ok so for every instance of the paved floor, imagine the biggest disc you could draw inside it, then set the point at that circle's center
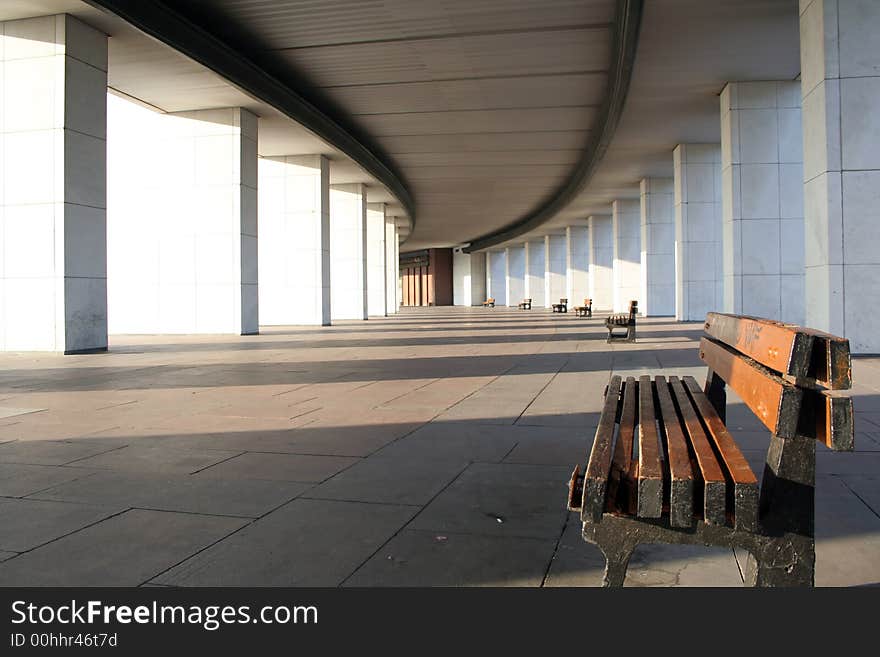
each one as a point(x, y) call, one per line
point(431, 448)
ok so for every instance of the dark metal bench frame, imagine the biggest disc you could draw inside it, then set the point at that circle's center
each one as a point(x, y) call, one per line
point(525, 304)
point(626, 321)
point(791, 378)
point(561, 307)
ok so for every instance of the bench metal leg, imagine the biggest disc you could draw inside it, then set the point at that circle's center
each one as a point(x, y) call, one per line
point(617, 554)
point(785, 561)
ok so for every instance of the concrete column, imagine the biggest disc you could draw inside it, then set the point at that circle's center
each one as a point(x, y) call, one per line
point(53, 194)
point(496, 276)
point(658, 247)
point(376, 259)
point(391, 303)
point(577, 264)
point(182, 220)
point(515, 259)
point(840, 87)
point(399, 285)
point(601, 261)
point(348, 252)
point(294, 250)
point(762, 200)
point(698, 253)
point(534, 282)
point(626, 243)
point(468, 278)
point(554, 269)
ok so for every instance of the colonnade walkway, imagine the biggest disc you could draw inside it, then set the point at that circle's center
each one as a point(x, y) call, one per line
point(429, 448)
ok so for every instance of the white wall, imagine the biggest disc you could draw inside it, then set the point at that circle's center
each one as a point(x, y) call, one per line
point(496, 276)
point(515, 274)
point(181, 220)
point(468, 278)
point(294, 250)
point(698, 240)
point(53, 258)
point(658, 247)
point(376, 259)
point(391, 303)
point(601, 262)
point(627, 265)
point(762, 200)
point(348, 252)
point(577, 264)
point(554, 269)
point(534, 281)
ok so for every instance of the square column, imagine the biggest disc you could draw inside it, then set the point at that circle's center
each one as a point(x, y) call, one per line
point(554, 269)
point(182, 220)
point(762, 200)
point(577, 264)
point(515, 275)
point(348, 252)
point(496, 276)
point(376, 259)
point(626, 270)
point(53, 193)
point(698, 252)
point(658, 247)
point(468, 278)
point(391, 303)
point(840, 89)
point(534, 282)
point(294, 249)
point(601, 261)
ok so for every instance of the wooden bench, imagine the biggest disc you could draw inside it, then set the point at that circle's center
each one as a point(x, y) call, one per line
point(489, 303)
point(586, 310)
point(626, 321)
point(690, 482)
point(525, 304)
point(561, 307)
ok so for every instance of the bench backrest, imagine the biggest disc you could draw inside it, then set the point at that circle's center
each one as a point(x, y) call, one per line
point(527, 300)
point(588, 302)
point(633, 308)
point(789, 376)
point(490, 300)
point(565, 301)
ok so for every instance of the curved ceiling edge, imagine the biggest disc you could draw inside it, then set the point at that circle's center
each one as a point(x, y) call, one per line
point(166, 25)
point(625, 43)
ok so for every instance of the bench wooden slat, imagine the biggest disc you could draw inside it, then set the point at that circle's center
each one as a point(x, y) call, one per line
point(714, 483)
point(650, 498)
point(599, 465)
point(745, 484)
point(623, 488)
point(774, 401)
point(785, 348)
point(681, 488)
point(827, 416)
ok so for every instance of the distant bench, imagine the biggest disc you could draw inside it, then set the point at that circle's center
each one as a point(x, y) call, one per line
point(626, 322)
point(586, 310)
point(525, 304)
point(489, 303)
point(690, 482)
point(561, 307)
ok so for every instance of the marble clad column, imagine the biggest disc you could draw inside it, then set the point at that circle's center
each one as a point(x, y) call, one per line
point(698, 246)
point(53, 193)
point(658, 247)
point(762, 200)
point(601, 262)
point(534, 284)
point(840, 90)
point(626, 269)
point(577, 264)
point(554, 269)
point(515, 274)
point(348, 251)
point(376, 297)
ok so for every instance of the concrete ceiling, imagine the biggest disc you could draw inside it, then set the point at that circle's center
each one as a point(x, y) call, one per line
point(483, 105)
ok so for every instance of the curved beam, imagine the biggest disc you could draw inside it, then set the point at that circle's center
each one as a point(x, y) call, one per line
point(624, 45)
point(170, 27)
